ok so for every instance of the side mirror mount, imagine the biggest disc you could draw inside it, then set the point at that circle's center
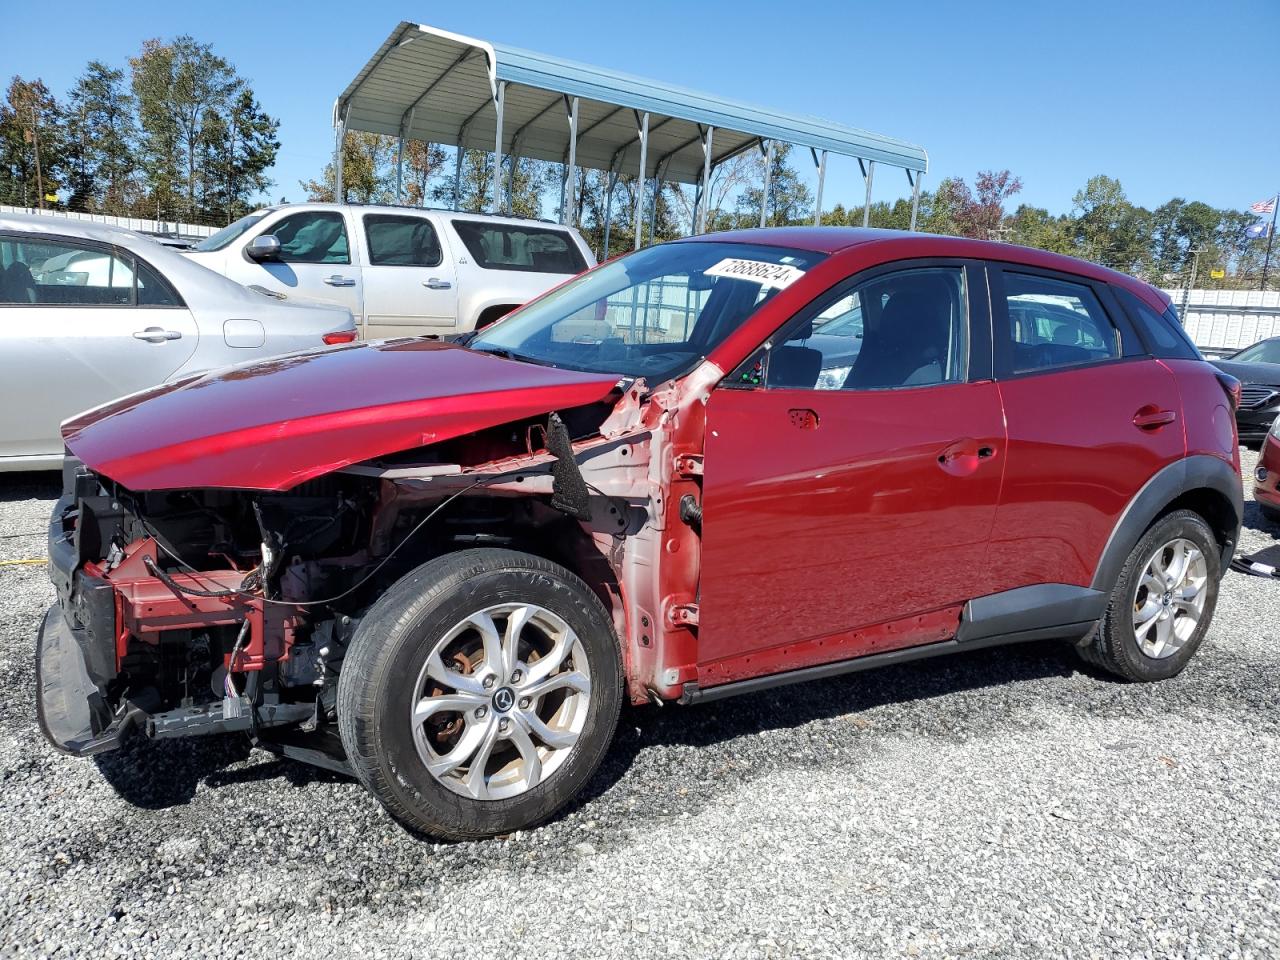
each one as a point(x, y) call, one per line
point(263, 248)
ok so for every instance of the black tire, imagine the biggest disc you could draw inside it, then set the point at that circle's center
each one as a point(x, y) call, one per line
point(1113, 646)
point(1270, 513)
point(393, 641)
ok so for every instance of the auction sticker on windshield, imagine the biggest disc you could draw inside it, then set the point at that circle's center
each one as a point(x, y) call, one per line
point(756, 271)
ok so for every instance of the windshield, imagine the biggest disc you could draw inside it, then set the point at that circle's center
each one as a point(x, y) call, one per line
point(653, 314)
point(1265, 351)
point(228, 233)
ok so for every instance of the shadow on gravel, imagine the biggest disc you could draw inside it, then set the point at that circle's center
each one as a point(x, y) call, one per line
point(1255, 520)
point(156, 774)
point(30, 485)
point(793, 706)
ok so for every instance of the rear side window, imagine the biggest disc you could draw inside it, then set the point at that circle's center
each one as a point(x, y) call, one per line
point(1055, 323)
point(396, 241)
point(312, 237)
point(521, 247)
point(1163, 331)
point(154, 290)
point(63, 273)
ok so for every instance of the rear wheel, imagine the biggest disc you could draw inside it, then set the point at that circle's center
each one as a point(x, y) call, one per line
point(1162, 603)
point(480, 693)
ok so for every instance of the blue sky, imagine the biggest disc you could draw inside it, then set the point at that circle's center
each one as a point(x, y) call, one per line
point(1174, 98)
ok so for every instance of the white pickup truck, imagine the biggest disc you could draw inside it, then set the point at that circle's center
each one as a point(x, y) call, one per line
point(401, 271)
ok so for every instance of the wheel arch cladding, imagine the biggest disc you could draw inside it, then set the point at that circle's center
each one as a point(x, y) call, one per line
point(1207, 485)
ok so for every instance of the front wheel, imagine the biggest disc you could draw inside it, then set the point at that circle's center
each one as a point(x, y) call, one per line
point(1162, 602)
point(480, 693)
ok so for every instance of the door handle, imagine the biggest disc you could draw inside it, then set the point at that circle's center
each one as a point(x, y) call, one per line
point(962, 457)
point(435, 283)
point(1152, 417)
point(337, 280)
point(157, 335)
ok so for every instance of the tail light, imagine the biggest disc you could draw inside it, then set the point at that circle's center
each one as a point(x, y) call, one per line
point(1230, 386)
point(348, 336)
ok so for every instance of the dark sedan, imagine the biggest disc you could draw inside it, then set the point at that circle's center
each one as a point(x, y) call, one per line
point(1257, 367)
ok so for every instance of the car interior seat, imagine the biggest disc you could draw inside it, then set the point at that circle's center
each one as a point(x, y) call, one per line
point(17, 284)
point(795, 367)
point(910, 344)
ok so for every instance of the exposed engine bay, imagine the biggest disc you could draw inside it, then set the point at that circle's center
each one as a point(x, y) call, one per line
point(202, 611)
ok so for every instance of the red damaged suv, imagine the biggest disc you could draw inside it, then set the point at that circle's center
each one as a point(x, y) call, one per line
point(710, 467)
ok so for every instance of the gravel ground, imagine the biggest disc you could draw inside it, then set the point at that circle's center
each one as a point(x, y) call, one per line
point(1001, 803)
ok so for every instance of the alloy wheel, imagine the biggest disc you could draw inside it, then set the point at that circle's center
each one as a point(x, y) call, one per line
point(1169, 599)
point(501, 701)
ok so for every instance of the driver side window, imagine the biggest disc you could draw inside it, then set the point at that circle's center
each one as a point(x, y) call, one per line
point(897, 330)
point(313, 237)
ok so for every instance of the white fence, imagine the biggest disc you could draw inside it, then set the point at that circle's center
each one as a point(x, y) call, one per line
point(164, 228)
point(1223, 321)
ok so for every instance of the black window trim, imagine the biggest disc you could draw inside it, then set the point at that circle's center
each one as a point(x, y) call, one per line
point(364, 224)
point(270, 232)
point(111, 249)
point(978, 361)
point(1131, 346)
point(1162, 316)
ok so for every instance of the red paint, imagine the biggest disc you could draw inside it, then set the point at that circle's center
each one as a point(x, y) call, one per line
point(812, 533)
point(273, 425)
point(836, 524)
point(1075, 459)
point(1267, 491)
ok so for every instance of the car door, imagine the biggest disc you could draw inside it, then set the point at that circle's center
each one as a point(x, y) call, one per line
point(852, 471)
point(1091, 417)
point(410, 285)
point(317, 260)
point(81, 323)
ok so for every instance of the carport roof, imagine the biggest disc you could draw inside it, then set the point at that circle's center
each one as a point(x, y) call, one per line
point(431, 85)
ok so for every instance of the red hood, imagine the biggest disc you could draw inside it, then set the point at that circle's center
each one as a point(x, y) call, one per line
point(273, 425)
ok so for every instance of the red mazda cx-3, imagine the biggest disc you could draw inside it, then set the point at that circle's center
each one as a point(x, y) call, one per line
point(712, 466)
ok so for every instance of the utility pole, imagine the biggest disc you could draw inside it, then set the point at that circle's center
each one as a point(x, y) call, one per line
point(1191, 281)
point(1271, 239)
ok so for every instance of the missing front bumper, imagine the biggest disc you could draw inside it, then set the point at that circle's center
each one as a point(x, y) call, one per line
point(72, 711)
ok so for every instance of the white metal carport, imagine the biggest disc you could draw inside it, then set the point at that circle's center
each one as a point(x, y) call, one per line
point(439, 87)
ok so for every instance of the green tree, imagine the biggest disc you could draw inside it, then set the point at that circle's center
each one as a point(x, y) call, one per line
point(205, 144)
point(790, 201)
point(101, 140)
point(1109, 229)
point(32, 147)
point(366, 174)
point(237, 151)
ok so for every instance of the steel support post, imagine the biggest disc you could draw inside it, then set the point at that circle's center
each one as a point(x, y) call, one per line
point(498, 99)
point(768, 174)
point(569, 204)
point(400, 169)
point(870, 173)
point(611, 183)
point(644, 161)
point(339, 134)
point(704, 207)
point(821, 164)
point(915, 196)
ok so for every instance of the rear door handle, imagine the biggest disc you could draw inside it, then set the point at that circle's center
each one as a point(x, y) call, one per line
point(1152, 417)
point(337, 280)
point(156, 335)
point(435, 283)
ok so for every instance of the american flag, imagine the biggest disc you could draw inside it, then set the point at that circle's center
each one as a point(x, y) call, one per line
point(1264, 206)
